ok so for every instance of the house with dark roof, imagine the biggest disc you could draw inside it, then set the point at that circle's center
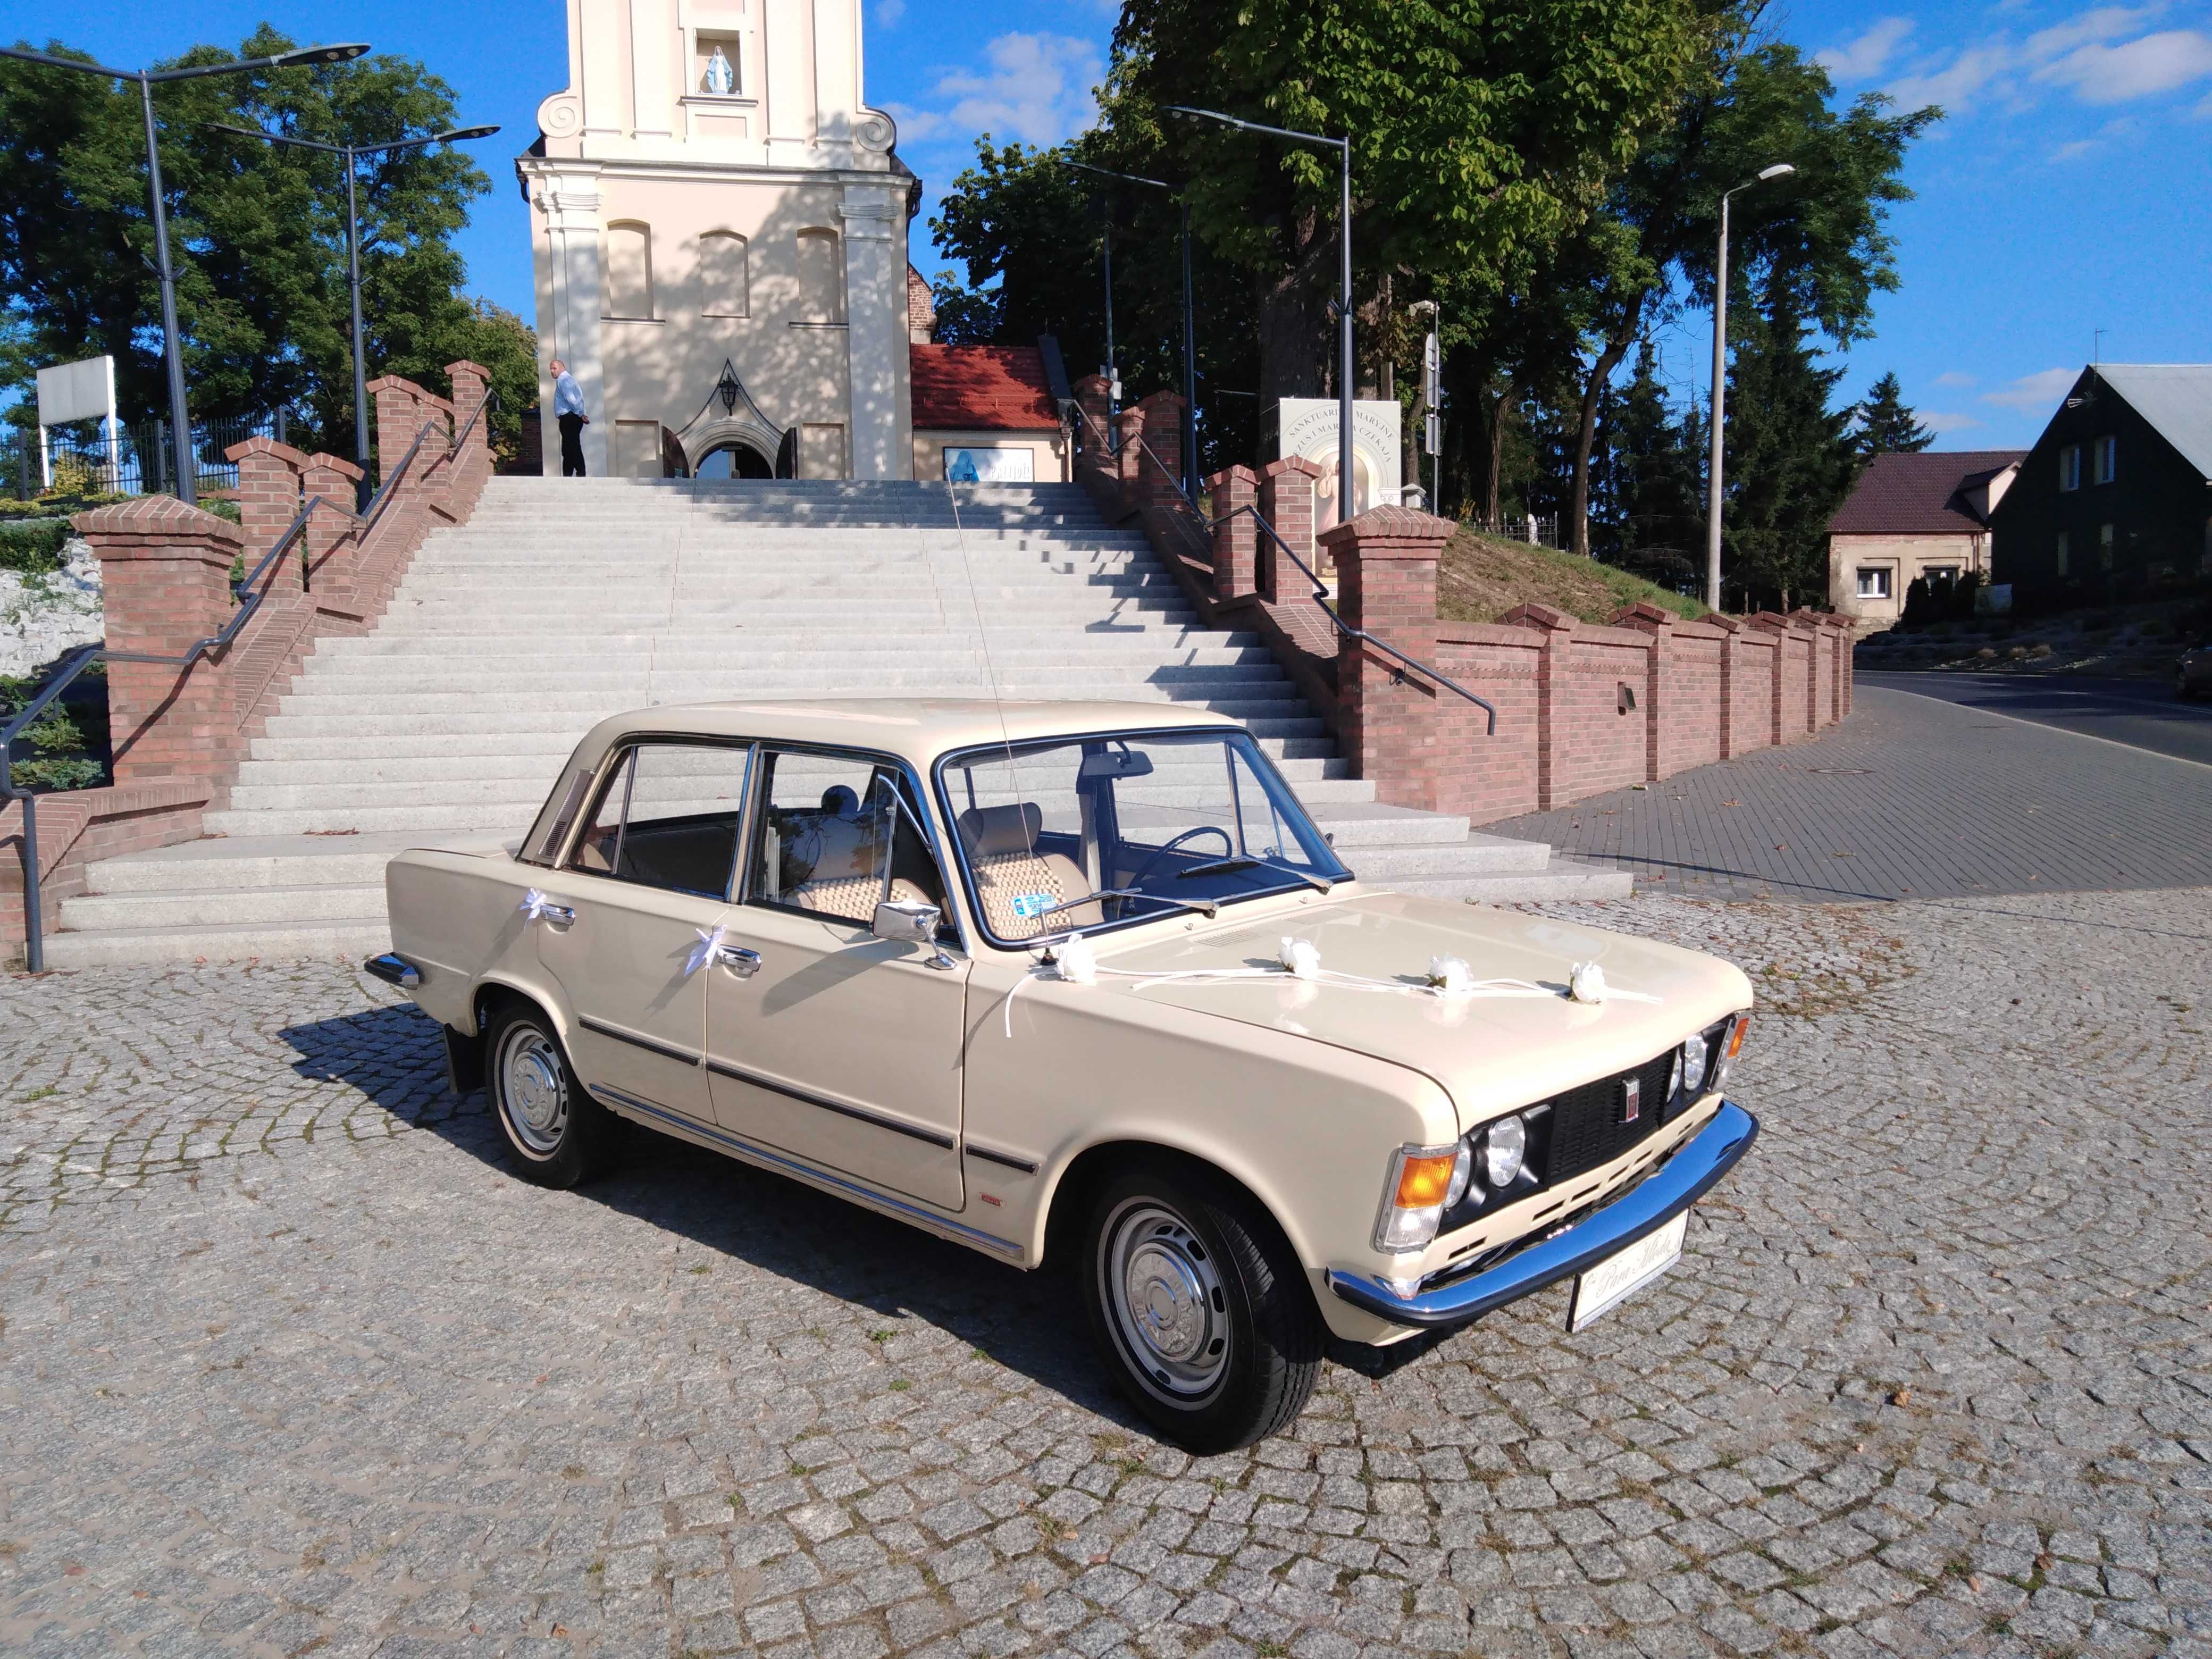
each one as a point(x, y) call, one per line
point(1925, 516)
point(2117, 494)
point(985, 412)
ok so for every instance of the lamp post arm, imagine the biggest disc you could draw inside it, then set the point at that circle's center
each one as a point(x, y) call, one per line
point(76, 64)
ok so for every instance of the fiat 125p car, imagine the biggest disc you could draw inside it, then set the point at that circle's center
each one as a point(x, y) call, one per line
point(1080, 983)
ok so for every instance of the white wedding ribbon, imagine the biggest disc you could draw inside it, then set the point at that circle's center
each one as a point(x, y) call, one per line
point(535, 904)
point(707, 951)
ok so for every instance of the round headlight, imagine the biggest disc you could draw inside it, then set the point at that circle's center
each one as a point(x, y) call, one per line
point(1463, 1172)
point(1692, 1062)
point(1505, 1142)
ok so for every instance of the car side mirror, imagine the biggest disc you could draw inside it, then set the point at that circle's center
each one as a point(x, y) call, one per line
point(911, 922)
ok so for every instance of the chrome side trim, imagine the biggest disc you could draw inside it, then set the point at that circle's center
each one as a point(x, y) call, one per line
point(667, 1051)
point(1668, 1190)
point(990, 1155)
point(934, 1137)
point(867, 1195)
point(393, 970)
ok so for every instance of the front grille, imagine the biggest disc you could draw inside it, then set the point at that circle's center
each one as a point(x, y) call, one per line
point(1586, 1129)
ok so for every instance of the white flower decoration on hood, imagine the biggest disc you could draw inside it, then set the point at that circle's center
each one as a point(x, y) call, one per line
point(1586, 982)
point(1074, 960)
point(1302, 956)
point(709, 948)
point(1451, 975)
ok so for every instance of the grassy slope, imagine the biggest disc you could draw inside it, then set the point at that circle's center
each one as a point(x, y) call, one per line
point(1481, 579)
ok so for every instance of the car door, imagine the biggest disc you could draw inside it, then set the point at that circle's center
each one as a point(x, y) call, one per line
point(840, 1047)
point(621, 925)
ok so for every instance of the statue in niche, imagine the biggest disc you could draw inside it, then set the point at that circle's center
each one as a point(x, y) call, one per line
point(719, 79)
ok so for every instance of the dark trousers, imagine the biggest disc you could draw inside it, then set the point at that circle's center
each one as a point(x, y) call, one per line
point(572, 446)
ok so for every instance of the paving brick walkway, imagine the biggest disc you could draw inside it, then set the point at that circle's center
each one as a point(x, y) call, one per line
point(289, 1364)
point(1910, 798)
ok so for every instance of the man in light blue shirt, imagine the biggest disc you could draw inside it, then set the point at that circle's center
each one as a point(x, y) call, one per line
point(568, 411)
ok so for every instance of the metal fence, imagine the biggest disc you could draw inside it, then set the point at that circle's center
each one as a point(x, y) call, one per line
point(1538, 529)
point(140, 460)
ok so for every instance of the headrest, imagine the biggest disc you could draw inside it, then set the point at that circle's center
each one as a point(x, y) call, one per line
point(840, 797)
point(991, 831)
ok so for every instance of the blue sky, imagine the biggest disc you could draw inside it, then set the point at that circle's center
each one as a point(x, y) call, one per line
point(2053, 202)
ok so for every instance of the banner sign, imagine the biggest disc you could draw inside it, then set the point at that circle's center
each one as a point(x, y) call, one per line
point(1307, 427)
point(77, 391)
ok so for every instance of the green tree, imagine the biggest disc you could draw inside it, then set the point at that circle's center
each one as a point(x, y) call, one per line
point(257, 235)
point(1790, 458)
point(1816, 241)
point(1884, 425)
point(1648, 503)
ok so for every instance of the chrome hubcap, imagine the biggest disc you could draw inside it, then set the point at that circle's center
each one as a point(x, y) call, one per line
point(1166, 1299)
point(533, 1090)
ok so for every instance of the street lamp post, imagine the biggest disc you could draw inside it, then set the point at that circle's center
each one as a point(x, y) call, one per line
point(1189, 456)
point(1344, 471)
point(351, 153)
point(1432, 379)
point(172, 347)
point(1719, 381)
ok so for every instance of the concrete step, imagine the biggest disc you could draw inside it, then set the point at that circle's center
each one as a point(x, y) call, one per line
point(516, 748)
point(1263, 716)
point(218, 908)
point(591, 697)
point(1391, 864)
point(240, 863)
point(343, 940)
point(1560, 879)
point(365, 769)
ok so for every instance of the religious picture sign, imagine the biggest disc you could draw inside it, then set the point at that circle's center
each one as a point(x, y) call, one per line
point(996, 464)
point(1307, 427)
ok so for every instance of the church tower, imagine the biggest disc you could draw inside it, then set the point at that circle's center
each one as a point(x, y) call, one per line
point(711, 190)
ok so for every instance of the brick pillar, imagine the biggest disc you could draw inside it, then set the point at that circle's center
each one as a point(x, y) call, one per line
point(331, 543)
point(1093, 396)
point(268, 492)
point(1559, 631)
point(1658, 621)
point(1730, 669)
point(165, 568)
point(1391, 725)
point(1846, 639)
point(1779, 728)
point(1129, 438)
point(401, 409)
point(1286, 501)
point(1159, 474)
point(1236, 539)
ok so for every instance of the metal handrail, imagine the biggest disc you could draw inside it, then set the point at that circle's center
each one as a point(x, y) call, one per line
point(247, 600)
point(1320, 588)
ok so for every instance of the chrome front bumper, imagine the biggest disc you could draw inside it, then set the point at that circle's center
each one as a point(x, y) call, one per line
point(1668, 1190)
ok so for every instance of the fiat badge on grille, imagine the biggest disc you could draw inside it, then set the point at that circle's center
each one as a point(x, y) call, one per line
point(1631, 1098)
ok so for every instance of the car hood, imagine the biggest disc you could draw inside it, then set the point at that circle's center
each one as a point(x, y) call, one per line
point(1490, 1054)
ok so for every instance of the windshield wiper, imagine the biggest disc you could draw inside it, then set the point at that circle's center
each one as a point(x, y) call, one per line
point(1246, 861)
point(1206, 908)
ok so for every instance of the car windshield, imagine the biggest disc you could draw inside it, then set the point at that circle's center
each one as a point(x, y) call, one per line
point(1079, 834)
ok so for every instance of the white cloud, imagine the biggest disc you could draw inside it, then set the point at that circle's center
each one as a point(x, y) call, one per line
point(2152, 63)
point(2075, 150)
point(1952, 377)
point(1940, 423)
point(2104, 24)
point(1868, 56)
point(888, 13)
point(2034, 393)
point(1035, 87)
point(1958, 82)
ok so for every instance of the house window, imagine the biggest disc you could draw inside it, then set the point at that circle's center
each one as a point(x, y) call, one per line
point(2107, 454)
point(821, 278)
point(2061, 552)
point(1945, 574)
point(2070, 467)
point(628, 272)
point(1874, 581)
point(725, 276)
point(2104, 547)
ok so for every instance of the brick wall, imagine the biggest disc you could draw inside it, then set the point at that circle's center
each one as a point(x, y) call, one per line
point(178, 734)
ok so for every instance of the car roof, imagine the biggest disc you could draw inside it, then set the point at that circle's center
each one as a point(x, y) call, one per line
point(918, 729)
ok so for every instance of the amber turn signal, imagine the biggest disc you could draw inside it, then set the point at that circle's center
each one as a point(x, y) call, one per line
point(1742, 1028)
point(1422, 1181)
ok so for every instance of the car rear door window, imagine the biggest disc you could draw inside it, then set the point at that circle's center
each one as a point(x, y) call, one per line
point(668, 816)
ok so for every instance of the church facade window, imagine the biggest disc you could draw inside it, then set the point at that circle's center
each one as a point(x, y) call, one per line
point(725, 275)
point(821, 278)
point(628, 275)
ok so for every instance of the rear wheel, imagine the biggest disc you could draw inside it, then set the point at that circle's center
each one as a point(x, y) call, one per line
point(1199, 1309)
point(557, 1134)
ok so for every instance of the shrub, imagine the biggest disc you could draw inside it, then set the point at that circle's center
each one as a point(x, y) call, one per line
point(59, 761)
point(34, 547)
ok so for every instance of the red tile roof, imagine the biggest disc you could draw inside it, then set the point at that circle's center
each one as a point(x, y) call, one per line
point(1909, 494)
point(993, 388)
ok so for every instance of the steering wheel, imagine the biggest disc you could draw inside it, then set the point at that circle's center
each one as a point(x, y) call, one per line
point(1228, 848)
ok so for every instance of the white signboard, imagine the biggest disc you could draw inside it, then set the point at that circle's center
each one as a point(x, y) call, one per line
point(1014, 464)
point(77, 391)
point(1307, 427)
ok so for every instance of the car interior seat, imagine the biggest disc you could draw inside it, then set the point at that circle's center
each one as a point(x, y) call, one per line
point(1015, 878)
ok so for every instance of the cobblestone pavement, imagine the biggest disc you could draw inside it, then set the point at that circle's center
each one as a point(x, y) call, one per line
point(1910, 798)
point(289, 1365)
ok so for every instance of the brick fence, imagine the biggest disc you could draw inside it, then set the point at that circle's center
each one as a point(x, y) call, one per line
point(178, 734)
point(1581, 707)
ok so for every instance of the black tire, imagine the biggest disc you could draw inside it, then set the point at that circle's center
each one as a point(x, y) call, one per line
point(557, 1134)
point(1236, 1341)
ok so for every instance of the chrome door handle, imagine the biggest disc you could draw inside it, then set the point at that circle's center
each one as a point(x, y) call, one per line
point(741, 962)
point(560, 915)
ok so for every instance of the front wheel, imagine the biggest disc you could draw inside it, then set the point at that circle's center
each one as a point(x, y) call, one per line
point(1199, 1309)
point(558, 1134)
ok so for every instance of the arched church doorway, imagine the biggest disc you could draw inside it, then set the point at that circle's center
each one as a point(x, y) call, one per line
point(733, 461)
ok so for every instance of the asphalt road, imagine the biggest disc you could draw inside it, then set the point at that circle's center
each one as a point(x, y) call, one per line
point(2144, 713)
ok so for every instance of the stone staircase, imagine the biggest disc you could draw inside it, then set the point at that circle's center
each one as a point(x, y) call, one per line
point(560, 602)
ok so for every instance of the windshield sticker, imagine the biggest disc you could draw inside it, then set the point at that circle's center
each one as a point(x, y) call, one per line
point(1032, 904)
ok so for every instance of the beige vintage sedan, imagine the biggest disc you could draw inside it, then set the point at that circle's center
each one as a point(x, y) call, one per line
point(1080, 983)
